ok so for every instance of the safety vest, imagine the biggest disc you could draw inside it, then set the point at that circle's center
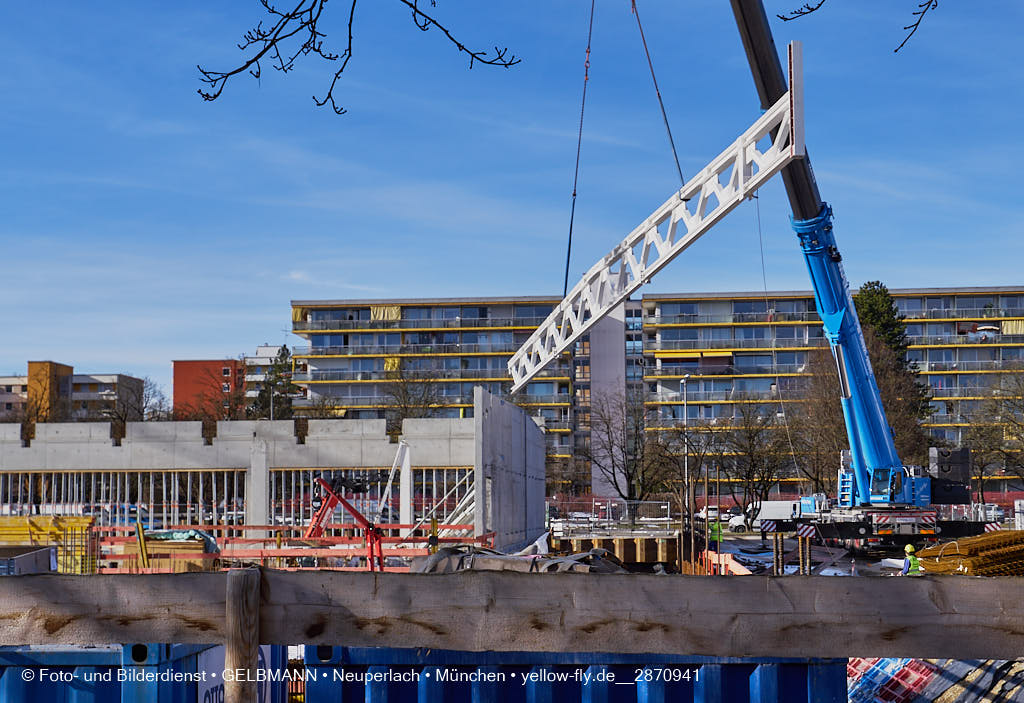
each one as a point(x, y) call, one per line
point(716, 532)
point(915, 566)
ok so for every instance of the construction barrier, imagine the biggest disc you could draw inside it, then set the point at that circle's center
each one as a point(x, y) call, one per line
point(214, 547)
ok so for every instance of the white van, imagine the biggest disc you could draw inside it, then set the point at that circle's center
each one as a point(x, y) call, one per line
point(770, 510)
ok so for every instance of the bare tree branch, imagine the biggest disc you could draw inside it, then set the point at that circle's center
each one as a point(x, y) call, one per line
point(805, 9)
point(922, 9)
point(302, 24)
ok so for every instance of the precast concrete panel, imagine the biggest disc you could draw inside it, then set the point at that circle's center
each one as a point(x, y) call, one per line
point(509, 464)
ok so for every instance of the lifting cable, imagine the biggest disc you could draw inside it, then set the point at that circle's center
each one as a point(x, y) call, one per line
point(775, 359)
point(579, 143)
point(661, 103)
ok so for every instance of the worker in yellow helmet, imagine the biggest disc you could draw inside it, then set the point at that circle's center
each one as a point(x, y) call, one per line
point(911, 564)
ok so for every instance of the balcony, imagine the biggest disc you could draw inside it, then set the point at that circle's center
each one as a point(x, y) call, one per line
point(732, 318)
point(994, 338)
point(407, 349)
point(968, 392)
point(674, 344)
point(411, 375)
point(653, 372)
point(542, 399)
point(557, 425)
point(385, 400)
point(457, 323)
point(962, 314)
point(933, 366)
point(955, 419)
point(711, 396)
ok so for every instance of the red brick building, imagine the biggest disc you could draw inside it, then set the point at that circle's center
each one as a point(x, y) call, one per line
point(209, 389)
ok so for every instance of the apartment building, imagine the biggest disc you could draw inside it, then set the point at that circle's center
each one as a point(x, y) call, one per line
point(367, 358)
point(51, 391)
point(698, 354)
point(208, 387)
point(723, 349)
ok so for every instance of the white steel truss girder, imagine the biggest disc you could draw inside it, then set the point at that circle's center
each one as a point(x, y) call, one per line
point(730, 178)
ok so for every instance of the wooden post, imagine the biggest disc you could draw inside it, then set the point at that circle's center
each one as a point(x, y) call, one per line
point(707, 521)
point(242, 619)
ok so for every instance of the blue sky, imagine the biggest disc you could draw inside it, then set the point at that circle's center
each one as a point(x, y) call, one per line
point(143, 225)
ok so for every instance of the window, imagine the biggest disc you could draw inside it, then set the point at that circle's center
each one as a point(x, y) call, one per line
point(907, 305)
point(751, 333)
point(226, 387)
point(788, 332)
point(8, 389)
point(938, 304)
point(226, 404)
point(8, 406)
point(749, 306)
point(715, 333)
point(791, 306)
point(675, 334)
point(532, 312)
point(672, 309)
point(225, 371)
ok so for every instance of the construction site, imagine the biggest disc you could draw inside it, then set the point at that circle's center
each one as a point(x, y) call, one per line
point(354, 552)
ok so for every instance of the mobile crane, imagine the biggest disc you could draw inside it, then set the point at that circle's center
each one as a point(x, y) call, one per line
point(878, 495)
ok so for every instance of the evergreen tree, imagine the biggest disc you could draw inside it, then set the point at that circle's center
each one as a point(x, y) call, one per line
point(277, 390)
point(877, 309)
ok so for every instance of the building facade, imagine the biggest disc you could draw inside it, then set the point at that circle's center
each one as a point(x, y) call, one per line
point(724, 349)
point(51, 391)
point(372, 359)
point(212, 388)
point(698, 355)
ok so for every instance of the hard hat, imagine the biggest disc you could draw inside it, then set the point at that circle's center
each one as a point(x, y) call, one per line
point(909, 549)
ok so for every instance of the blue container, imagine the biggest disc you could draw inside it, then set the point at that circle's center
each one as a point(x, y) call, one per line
point(376, 675)
point(154, 673)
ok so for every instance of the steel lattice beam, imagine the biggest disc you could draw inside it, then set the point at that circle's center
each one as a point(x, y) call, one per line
point(733, 176)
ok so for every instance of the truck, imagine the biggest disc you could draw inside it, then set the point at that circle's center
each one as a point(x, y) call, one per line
point(782, 510)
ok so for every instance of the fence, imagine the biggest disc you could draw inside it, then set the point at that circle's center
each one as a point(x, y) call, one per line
point(573, 516)
point(342, 548)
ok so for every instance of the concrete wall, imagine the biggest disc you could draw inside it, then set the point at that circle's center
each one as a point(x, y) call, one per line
point(79, 446)
point(256, 446)
point(607, 378)
point(509, 472)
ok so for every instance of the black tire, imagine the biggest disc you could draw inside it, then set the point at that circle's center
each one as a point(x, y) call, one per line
point(739, 529)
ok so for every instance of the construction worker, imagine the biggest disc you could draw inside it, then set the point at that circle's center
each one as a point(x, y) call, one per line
point(911, 564)
point(714, 534)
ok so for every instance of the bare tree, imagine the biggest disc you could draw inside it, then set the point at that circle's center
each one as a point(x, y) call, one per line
point(996, 432)
point(753, 453)
point(410, 394)
point(690, 451)
point(923, 8)
point(298, 31)
point(817, 425)
point(633, 461)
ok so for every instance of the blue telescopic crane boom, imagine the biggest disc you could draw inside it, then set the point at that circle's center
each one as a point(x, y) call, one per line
point(878, 474)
